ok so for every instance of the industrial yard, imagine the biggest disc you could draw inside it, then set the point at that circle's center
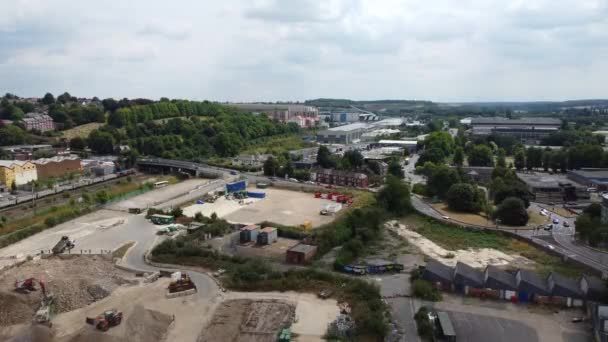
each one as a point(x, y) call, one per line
point(286, 207)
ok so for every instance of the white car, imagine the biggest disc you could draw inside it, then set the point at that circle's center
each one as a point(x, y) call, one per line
point(543, 212)
point(445, 217)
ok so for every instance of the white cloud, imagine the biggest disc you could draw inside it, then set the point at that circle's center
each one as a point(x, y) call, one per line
point(299, 49)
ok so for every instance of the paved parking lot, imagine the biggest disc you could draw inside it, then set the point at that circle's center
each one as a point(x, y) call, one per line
point(477, 328)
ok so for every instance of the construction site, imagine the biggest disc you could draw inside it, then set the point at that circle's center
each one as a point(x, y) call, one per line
point(65, 283)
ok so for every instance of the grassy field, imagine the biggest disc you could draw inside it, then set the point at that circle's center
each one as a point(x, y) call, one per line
point(453, 238)
point(277, 145)
point(481, 220)
point(81, 131)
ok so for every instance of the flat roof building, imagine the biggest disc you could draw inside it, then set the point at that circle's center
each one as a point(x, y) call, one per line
point(553, 188)
point(346, 134)
point(594, 178)
point(527, 130)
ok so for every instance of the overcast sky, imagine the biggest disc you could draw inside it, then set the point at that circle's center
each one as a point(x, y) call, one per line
point(231, 50)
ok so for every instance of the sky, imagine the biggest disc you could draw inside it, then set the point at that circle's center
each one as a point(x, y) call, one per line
point(293, 50)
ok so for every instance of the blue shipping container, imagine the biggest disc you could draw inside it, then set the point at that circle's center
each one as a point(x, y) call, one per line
point(256, 194)
point(236, 186)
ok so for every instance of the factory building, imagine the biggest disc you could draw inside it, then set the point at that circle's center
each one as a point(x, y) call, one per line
point(347, 134)
point(527, 130)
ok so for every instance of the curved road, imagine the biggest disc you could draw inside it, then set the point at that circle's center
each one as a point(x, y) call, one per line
point(134, 259)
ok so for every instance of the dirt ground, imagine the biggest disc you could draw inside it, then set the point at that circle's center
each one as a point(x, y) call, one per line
point(275, 251)
point(475, 257)
point(147, 316)
point(280, 206)
point(249, 320)
point(284, 207)
point(74, 281)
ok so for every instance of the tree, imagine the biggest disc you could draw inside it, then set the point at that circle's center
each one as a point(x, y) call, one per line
point(395, 196)
point(324, 158)
point(481, 155)
point(77, 143)
point(465, 197)
point(512, 212)
point(12, 135)
point(13, 113)
point(440, 179)
point(458, 156)
point(440, 140)
point(48, 99)
point(534, 158)
point(271, 167)
point(101, 142)
point(13, 186)
point(500, 158)
point(395, 169)
point(519, 159)
point(288, 169)
point(594, 210)
point(64, 98)
point(354, 157)
point(433, 155)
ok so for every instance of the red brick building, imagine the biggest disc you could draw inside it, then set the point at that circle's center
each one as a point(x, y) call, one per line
point(300, 254)
point(340, 177)
point(57, 166)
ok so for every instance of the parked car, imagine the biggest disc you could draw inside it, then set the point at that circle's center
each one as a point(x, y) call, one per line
point(566, 224)
point(548, 227)
point(543, 212)
point(445, 217)
point(555, 221)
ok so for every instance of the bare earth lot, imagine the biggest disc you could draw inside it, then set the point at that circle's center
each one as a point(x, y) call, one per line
point(284, 207)
point(160, 195)
point(280, 206)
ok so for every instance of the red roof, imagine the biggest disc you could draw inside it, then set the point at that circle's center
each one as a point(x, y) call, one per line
point(251, 227)
point(269, 229)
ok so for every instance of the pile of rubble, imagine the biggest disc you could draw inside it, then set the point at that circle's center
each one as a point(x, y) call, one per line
point(76, 281)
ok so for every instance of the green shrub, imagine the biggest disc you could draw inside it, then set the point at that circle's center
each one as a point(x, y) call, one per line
point(50, 221)
point(425, 290)
point(419, 189)
point(423, 324)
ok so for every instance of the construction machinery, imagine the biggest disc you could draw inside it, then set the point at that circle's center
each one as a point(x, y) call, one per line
point(43, 315)
point(180, 282)
point(307, 225)
point(103, 322)
point(63, 244)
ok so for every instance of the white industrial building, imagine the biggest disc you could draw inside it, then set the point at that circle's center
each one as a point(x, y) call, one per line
point(346, 134)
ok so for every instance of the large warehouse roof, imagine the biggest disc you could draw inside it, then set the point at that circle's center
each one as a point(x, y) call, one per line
point(351, 127)
point(520, 121)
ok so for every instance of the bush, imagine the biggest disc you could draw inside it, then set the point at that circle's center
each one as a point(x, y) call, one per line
point(464, 197)
point(423, 324)
point(50, 221)
point(425, 290)
point(419, 189)
point(512, 212)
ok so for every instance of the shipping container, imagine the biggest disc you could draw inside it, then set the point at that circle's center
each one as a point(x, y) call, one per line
point(253, 194)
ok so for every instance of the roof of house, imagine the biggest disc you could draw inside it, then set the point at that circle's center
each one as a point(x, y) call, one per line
point(471, 274)
point(12, 163)
point(534, 280)
point(439, 269)
point(505, 278)
point(251, 227)
point(302, 248)
point(269, 229)
point(565, 287)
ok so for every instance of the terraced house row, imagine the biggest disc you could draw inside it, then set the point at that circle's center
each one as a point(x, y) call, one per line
point(21, 172)
point(521, 286)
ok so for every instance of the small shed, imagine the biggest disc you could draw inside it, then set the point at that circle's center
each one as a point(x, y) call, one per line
point(194, 226)
point(566, 288)
point(497, 279)
point(267, 236)
point(300, 253)
point(439, 274)
point(530, 285)
point(162, 219)
point(593, 288)
point(249, 233)
point(466, 277)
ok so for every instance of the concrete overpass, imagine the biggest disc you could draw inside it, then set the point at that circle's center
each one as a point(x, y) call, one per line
point(160, 165)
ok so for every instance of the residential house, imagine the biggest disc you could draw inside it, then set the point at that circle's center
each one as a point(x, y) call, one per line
point(38, 121)
point(340, 177)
